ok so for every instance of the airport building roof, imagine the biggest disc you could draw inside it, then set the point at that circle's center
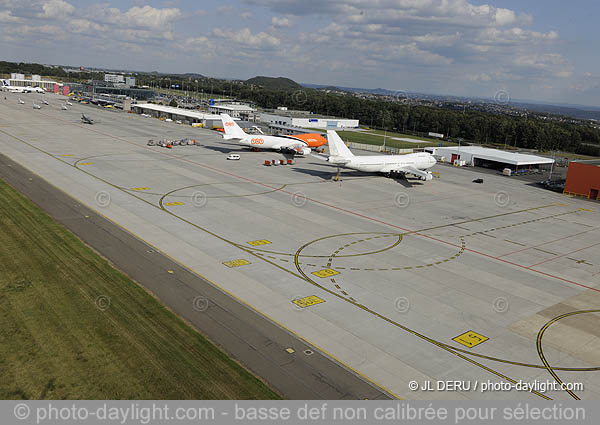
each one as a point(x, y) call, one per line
point(234, 107)
point(176, 111)
point(495, 155)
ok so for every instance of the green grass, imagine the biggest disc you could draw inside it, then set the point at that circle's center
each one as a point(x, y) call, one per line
point(360, 137)
point(56, 343)
point(409, 136)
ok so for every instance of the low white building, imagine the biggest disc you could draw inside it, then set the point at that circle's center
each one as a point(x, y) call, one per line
point(308, 121)
point(114, 78)
point(185, 115)
point(489, 158)
point(23, 82)
point(234, 110)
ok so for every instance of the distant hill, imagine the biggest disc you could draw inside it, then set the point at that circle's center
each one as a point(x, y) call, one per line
point(280, 83)
point(580, 113)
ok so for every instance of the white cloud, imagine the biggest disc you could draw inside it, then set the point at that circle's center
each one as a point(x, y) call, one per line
point(280, 22)
point(56, 9)
point(245, 37)
point(7, 17)
point(147, 16)
point(227, 8)
point(38, 29)
point(479, 77)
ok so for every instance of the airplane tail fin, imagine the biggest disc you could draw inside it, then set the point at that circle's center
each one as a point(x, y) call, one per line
point(231, 129)
point(337, 146)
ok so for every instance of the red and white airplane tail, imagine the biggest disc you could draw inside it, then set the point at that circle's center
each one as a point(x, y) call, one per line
point(231, 129)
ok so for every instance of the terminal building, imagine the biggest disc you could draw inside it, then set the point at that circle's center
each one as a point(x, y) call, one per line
point(184, 115)
point(19, 80)
point(479, 156)
point(583, 179)
point(305, 119)
point(234, 110)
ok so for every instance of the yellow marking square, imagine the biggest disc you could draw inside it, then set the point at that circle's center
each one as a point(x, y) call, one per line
point(237, 263)
point(290, 350)
point(470, 339)
point(259, 242)
point(140, 188)
point(585, 209)
point(85, 163)
point(325, 273)
point(308, 301)
point(173, 204)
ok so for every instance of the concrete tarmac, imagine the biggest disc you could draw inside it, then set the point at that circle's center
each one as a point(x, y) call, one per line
point(397, 281)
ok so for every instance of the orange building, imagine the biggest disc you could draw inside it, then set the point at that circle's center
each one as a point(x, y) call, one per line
point(583, 179)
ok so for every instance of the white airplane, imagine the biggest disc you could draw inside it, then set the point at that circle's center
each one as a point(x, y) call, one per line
point(36, 106)
point(45, 102)
point(34, 90)
point(18, 89)
point(64, 107)
point(288, 145)
point(391, 165)
point(69, 103)
point(22, 102)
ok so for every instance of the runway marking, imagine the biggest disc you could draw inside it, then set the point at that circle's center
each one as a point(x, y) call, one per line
point(470, 339)
point(325, 273)
point(540, 350)
point(585, 209)
point(545, 252)
point(173, 204)
point(259, 242)
point(237, 263)
point(580, 261)
point(546, 243)
point(308, 301)
point(85, 163)
point(302, 275)
point(140, 188)
point(290, 350)
point(564, 255)
point(516, 243)
point(67, 154)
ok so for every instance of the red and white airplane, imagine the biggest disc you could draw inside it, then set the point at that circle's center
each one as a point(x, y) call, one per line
point(297, 144)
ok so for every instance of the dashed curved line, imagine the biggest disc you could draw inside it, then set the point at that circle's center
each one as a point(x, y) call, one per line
point(540, 350)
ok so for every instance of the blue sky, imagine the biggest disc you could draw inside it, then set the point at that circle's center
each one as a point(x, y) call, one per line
point(532, 49)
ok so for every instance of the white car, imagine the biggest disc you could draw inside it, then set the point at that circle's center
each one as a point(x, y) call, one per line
point(234, 156)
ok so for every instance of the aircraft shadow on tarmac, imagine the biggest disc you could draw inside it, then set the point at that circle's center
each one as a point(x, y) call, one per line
point(223, 149)
point(331, 171)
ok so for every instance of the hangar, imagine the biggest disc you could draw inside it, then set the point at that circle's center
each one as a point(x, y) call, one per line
point(583, 179)
point(185, 115)
point(489, 158)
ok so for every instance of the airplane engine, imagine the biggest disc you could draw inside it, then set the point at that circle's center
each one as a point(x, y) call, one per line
point(427, 178)
point(301, 151)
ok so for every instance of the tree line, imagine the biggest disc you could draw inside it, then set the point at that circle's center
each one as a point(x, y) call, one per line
point(530, 132)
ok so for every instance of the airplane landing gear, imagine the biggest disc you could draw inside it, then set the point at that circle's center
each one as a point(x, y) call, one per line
point(338, 175)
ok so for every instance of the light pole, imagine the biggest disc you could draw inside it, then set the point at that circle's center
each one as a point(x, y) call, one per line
point(384, 128)
point(551, 166)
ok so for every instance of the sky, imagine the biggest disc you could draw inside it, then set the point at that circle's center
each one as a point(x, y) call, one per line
point(545, 50)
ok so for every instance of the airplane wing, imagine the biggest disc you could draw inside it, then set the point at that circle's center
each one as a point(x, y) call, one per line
point(409, 169)
point(292, 149)
point(320, 156)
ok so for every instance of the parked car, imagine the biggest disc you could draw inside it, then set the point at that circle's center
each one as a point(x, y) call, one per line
point(234, 156)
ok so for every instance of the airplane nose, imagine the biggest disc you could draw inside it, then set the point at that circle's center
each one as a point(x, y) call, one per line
point(432, 161)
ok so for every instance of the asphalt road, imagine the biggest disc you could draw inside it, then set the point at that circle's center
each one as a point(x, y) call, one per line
point(254, 341)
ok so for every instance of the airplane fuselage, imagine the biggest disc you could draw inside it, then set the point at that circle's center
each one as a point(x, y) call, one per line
point(385, 163)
